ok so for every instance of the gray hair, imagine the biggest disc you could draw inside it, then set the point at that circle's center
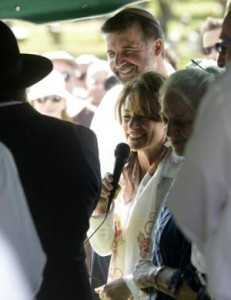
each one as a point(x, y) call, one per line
point(190, 84)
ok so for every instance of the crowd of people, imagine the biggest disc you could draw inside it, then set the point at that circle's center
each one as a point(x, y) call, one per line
point(166, 233)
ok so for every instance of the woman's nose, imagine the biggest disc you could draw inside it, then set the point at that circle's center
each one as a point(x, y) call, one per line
point(134, 122)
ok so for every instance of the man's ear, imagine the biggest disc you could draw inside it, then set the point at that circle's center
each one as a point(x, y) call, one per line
point(158, 46)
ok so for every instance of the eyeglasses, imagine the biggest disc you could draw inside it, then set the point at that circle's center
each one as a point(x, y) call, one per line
point(54, 99)
point(66, 75)
point(208, 50)
point(221, 47)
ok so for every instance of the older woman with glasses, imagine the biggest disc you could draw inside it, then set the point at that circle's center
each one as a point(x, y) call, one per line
point(210, 32)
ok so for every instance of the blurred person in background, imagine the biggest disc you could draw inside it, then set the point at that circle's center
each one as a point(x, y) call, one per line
point(210, 35)
point(97, 74)
point(50, 97)
point(110, 82)
point(83, 61)
point(65, 63)
point(171, 56)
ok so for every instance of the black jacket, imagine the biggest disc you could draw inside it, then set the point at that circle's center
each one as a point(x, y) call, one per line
point(60, 173)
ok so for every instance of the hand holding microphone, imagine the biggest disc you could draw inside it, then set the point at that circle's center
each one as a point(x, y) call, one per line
point(110, 181)
point(122, 152)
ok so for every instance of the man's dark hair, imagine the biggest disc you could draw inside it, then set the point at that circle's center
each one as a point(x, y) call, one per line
point(134, 17)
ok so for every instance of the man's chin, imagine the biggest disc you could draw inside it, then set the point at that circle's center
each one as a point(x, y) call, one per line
point(126, 79)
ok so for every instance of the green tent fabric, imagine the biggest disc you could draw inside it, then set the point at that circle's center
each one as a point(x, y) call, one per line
point(44, 11)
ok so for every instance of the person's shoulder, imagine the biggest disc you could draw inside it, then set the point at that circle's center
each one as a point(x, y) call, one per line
point(111, 95)
point(115, 89)
point(3, 150)
point(106, 108)
point(83, 130)
point(5, 154)
point(221, 82)
point(225, 77)
point(172, 156)
point(217, 98)
point(173, 163)
point(63, 128)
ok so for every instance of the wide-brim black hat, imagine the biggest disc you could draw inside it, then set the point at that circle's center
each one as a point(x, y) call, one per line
point(18, 70)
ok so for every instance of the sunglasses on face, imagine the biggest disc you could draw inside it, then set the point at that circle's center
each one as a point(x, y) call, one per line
point(222, 46)
point(208, 50)
point(54, 99)
point(66, 75)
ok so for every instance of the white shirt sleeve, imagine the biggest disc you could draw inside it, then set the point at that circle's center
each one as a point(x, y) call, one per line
point(16, 223)
point(103, 239)
point(13, 284)
point(107, 129)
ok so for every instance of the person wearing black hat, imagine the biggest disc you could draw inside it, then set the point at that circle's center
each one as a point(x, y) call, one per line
point(59, 168)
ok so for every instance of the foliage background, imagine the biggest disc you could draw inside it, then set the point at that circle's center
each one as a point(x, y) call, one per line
point(180, 18)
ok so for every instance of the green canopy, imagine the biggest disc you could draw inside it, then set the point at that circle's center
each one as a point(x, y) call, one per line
point(43, 11)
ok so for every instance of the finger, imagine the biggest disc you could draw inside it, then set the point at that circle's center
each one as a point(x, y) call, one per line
point(109, 177)
point(107, 184)
point(104, 194)
point(102, 295)
point(99, 289)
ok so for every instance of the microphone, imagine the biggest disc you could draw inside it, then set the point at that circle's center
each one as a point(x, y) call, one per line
point(121, 153)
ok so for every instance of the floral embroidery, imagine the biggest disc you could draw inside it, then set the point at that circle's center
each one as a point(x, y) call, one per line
point(118, 236)
point(144, 245)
